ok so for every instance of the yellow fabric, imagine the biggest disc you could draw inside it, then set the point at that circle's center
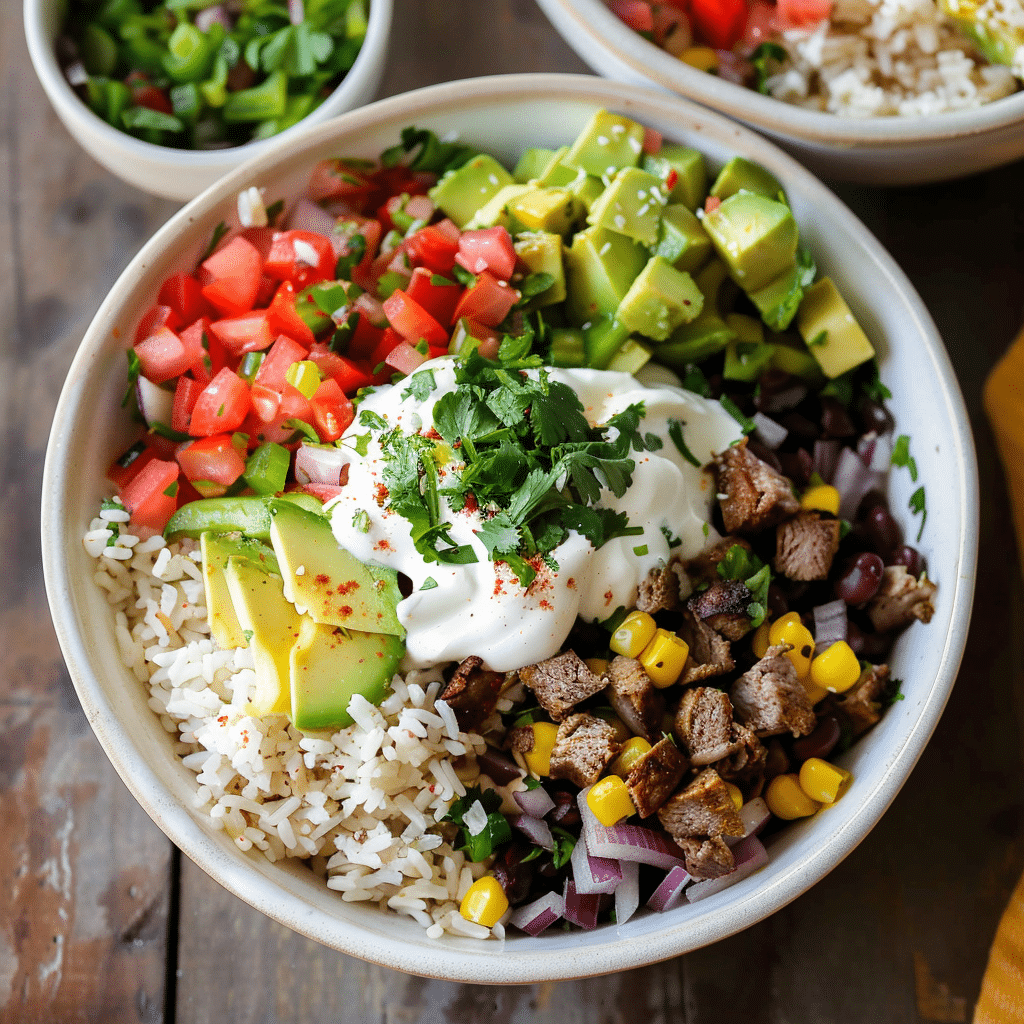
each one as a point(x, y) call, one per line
point(1002, 989)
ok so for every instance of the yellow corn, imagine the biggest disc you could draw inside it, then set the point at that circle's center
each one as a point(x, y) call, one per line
point(633, 635)
point(538, 760)
point(736, 793)
point(786, 800)
point(788, 629)
point(304, 375)
point(610, 801)
point(485, 902)
point(814, 691)
point(632, 750)
point(760, 639)
point(822, 781)
point(597, 665)
point(622, 731)
point(836, 668)
point(824, 497)
point(703, 58)
point(664, 657)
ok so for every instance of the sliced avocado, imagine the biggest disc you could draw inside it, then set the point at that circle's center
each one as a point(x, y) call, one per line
point(271, 624)
point(778, 301)
point(460, 193)
point(328, 665)
point(708, 333)
point(602, 338)
point(746, 328)
point(659, 300)
point(631, 356)
point(682, 239)
point(691, 184)
point(757, 238)
point(791, 356)
point(567, 347)
point(220, 610)
point(599, 268)
point(495, 211)
point(746, 360)
point(631, 205)
point(556, 173)
point(532, 164)
point(247, 515)
point(541, 252)
point(743, 175)
point(830, 331)
point(608, 142)
point(555, 210)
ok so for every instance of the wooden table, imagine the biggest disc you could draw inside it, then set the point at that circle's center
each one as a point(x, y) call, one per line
point(102, 920)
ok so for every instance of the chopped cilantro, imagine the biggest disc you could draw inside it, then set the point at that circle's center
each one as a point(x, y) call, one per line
point(463, 276)
point(355, 250)
point(172, 489)
point(748, 425)
point(696, 382)
point(764, 59)
point(741, 564)
point(432, 154)
point(302, 429)
point(901, 456)
point(134, 369)
point(274, 210)
point(162, 430)
point(640, 550)
point(218, 233)
point(917, 504)
point(675, 432)
point(361, 520)
point(429, 583)
point(670, 538)
point(533, 285)
point(368, 418)
point(496, 832)
point(565, 843)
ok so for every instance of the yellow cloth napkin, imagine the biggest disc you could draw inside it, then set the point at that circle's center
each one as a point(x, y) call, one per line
point(1002, 989)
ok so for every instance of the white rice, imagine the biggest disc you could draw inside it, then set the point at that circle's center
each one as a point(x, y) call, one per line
point(361, 805)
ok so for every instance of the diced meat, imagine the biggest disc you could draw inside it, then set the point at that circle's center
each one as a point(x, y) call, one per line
point(710, 654)
point(520, 739)
point(707, 858)
point(860, 704)
point(748, 760)
point(658, 592)
point(723, 607)
point(703, 724)
point(472, 692)
point(583, 748)
point(805, 546)
point(770, 699)
point(560, 683)
point(703, 808)
point(703, 568)
point(900, 599)
point(636, 700)
point(655, 775)
point(751, 494)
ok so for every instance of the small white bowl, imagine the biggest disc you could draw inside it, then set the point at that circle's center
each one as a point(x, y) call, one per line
point(503, 115)
point(873, 151)
point(181, 174)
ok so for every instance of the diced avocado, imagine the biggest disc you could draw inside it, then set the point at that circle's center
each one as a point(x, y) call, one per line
point(682, 239)
point(329, 582)
point(532, 164)
point(460, 193)
point(998, 41)
point(541, 252)
point(746, 360)
point(691, 184)
point(791, 356)
point(745, 327)
point(599, 268)
point(608, 142)
point(602, 339)
point(247, 515)
point(567, 347)
point(328, 666)
point(546, 209)
point(778, 301)
point(631, 356)
point(271, 624)
point(495, 211)
point(659, 300)
point(830, 331)
point(557, 174)
point(757, 238)
point(631, 205)
point(708, 333)
point(742, 175)
point(220, 610)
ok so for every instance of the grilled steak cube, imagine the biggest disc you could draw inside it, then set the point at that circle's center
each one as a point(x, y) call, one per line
point(723, 608)
point(703, 808)
point(770, 699)
point(707, 858)
point(752, 495)
point(636, 700)
point(658, 592)
point(805, 546)
point(703, 568)
point(748, 760)
point(704, 726)
point(900, 599)
point(472, 692)
point(655, 775)
point(860, 705)
point(560, 683)
point(583, 748)
point(710, 653)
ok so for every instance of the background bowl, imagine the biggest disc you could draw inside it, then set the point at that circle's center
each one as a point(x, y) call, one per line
point(874, 151)
point(504, 115)
point(182, 174)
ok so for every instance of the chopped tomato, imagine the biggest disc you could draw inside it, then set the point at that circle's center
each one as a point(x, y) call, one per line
point(232, 277)
point(294, 406)
point(388, 341)
point(162, 355)
point(127, 466)
point(266, 402)
point(412, 321)
point(758, 27)
point(719, 22)
point(488, 301)
point(213, 460)
point(205, 351)
point(432, 248)
point(282, 354)
point(404, 358)
point(283, 317)
point(325, 492)
point(157, 316)
point(260, 238)
point(302, 257)
point(802, 13)
point(350, 374)
point(365, 338)
point(652, 141)
point(489, 249)
point(153, 98)
point(247, 332)
point(186, 394)
point(152, 496)
point(636, 14)
point(337, 179)
point(439, 300)
point(184, 294)
point(332, 411)
point(344, 242)
point(222, 406)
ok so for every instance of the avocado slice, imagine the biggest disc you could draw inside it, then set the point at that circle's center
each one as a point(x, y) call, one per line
point(247, 515)
point(328, 665)
point(691, 184)
point(631, 356)
point(532, 164)
point(600, 266)
point(495, 212)
point(460, 193)
point(541, 252)
point(220, 609)
point(331, 584)
point(743, 175)
point(708, 333)
point(791, 356)
point(830, 330)
point(631, 205)
point(682, 239)
point(602, 339)
point(778, 301)
point(747, 360)
point(659, 300)
point(608, 142)
point(555, 210)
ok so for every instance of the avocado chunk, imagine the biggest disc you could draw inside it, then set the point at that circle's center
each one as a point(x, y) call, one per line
point(778, 301)
point(631, 356)
point(567, 347)
point(608, 142)
point(602, 338)
point(757, 238)
point(541, 252)
point(830, 331)
point(247, 515)
point(532, 164)
point(791, 356)
point(631, 205)
point(271, 624)
point(599, 268)
point(557, 174)
point(555, 210)
point(495, 211)
point(460, 193)
point(682, 240)
point(220, 609)
point(328, 665)
point(708, 333)
point(749, 355)
point(659, 300)
point(743, 175)
point(331, 584)
point(691, 181)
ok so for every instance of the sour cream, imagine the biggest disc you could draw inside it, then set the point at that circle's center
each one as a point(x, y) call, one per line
point(481, 608)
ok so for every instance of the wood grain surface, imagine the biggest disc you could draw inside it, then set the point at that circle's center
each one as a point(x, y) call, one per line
point(101, 920)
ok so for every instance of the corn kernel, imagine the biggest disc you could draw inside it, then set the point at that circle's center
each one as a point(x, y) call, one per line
point(633, 635)
point(824, 497)
point(836, 668)
point(759, 643)
point(736, 793)
point(788, 629)
point(538, 760)
point(814, 691)
point(632, 750)
point(703, 58)
point(610, 801)
point(664, 657)
point(597, 665)
point(304, 375)
point(485, 902)
point(822, 781)
point(786, 800)
point(622, 731)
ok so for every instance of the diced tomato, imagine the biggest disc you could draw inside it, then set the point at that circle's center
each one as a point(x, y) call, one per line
point(388, 341)
point(802, 13)
point(222, 406)
point(404, 358)
point(184, 294)
point(439, 300)
point(488, 301)
point(294, 406)
point(489, 249)
point(282, 354)
point(157, 316)
point(302, 257)
point(266, 402)
point(205, 351)
point(344, 244)
point(322, 491)
point(336, 179)
point(635, 13)
point(652, 141)
point(127, 466)
point(431, 247)
point(284, 319)
point(666, 19)
point(232, 277)
point(758, 27)
point(711, 204)
point(260, 238)
point(365, 338)
point(390, 259)
point(412, 321)
point(214, 459)
point(153, 98)
point(332, 411)
point(186, 394)
point(247, 332)
point(152, 496)
point(162, 355)
point(350, 374)
point(719, 22)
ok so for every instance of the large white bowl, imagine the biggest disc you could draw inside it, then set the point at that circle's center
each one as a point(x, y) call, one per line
point(182, 174)
point(504, 115)
point(874, 151)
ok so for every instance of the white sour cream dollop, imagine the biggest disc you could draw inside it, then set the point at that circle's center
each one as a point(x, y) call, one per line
point(480, 608)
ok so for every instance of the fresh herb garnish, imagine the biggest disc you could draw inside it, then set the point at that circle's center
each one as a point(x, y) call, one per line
point(495, 832)
point(748, 425)
point(901, 456)
point(874, 388)
point(274, 210)
point(741, 564)
point(420, 386)
point(373, 420)
point(565, 843)
point(134, 369)
point(302, 429)
point(763, 59)
point(675, 432)
point(433, 154)
point(917, 505)
point(361, 520)
point(696, 382)
point(670, 538)
point(218, 233)
point(429, 583)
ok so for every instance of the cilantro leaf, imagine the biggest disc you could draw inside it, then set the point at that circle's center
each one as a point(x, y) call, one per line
point(421, 384)
point(675, 432)
point(901, 456)
point(432, 154)
point(748, 425)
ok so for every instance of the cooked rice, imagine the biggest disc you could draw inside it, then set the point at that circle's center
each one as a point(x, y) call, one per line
point(363, 805)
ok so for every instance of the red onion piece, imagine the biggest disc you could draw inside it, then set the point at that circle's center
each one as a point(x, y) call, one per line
point(780, 401)
point(155, 404)
point(627, 893)
point(320, 464)
point(502, 770)
point(826, 456)
point(307, 216)
point(879, 455)
point(853, 480)
point(296, 11)
point(593, 874)
point(449, 229)
point(420, 208)
point(755, 815)
point(535, 802)
point(535, 830)
point(749, 854)
point(671, 892)
point(771, 434)
point(323, 492)
point(627, 843)
point(580, 909)
point(830, 625)
point(372, 308)
point(534, 917)
point(215, 15)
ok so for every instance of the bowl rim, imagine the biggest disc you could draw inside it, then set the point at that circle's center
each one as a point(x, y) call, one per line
point(73, 110)
point(460, 961)
point(595, 22)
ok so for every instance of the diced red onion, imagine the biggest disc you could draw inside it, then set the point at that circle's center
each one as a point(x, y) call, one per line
point(420, 208)
point(749, 854)
point(296, 11)
point(593, 874)
point(502, 770)
point(215, 15)
point(449, 229)
point(755, 815)
point(772, 434)
point(535, 830)
point(76, 74)
point(372, 308)
point(671, 893)
point(536, 802)
point(155, 404)
point(780, 401)
point(876, 451)
point(830, 624)
point(826, 456)
point(319, 464)
point(307, 216)
point(534, 917)
point(627, 893)
point(323, 492)
point(580, 908)
point(853, 480)
point(628, 843)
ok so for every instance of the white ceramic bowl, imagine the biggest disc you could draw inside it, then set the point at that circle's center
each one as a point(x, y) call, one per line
point(874, 151)
point(504, 115)
point(182, 174)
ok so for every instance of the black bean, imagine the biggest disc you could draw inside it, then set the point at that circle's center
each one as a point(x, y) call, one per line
point(797, 465)
point(867, 644)
point(820, 742)
point(874, 416)
point(566, 811)
point(908, 557)
point(861, 578)
point(881, 530)
point(835, 420)
point(800, 427)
